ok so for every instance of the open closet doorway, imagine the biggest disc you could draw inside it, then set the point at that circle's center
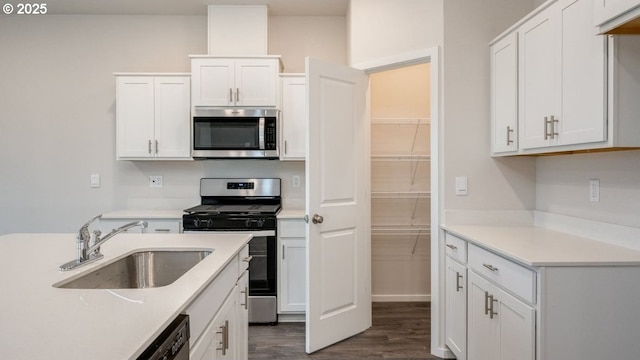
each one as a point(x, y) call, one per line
point(400, 109)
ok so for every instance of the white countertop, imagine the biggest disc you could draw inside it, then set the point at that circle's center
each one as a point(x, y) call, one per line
point(39, 321)
point(536, 246)
point(143, 215)
point(291, 214)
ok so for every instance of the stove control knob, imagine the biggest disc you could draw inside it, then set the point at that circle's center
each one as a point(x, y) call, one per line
point(209, 223)
point(260, 223)
point(248, 223)
point(196, 223)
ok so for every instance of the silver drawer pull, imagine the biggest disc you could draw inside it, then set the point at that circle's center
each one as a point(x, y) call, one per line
point(162, 230)
point(458, 277)
point(490, 267)
point(247, 259)
point(452, 247)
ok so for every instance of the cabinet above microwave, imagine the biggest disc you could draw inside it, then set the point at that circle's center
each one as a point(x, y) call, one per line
point(234, 81)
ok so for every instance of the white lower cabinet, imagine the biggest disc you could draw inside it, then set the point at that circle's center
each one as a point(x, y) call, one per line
point(219, 316)
point(292, 266)
point(500, 326)
point(456, 308)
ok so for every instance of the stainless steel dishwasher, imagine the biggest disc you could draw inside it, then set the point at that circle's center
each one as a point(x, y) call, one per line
point(172, 343)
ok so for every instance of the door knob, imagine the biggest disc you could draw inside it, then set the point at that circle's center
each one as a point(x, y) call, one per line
point(317, 219)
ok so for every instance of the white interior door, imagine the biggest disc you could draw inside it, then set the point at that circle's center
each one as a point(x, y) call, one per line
point(338, 204)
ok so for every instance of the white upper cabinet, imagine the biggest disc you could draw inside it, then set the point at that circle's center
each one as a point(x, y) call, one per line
point(562, 80)
point(153, 117)
point(571, 95)
point(617, 16)
point(293, 115)
point(504, 95)
point(228, 82)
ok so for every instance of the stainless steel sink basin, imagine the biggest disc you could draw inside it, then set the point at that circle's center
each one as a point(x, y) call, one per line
point(143, 269)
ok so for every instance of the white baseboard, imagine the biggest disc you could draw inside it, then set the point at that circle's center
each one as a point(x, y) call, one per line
point(401, 298)
point(286, 318)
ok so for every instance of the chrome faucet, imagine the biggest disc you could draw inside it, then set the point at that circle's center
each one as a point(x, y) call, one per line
point(86, 253)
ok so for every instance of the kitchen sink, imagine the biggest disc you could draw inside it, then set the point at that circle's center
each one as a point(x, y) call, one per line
point(142, 269)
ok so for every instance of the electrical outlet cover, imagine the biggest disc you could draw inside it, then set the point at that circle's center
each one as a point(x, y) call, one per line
point(155, 181)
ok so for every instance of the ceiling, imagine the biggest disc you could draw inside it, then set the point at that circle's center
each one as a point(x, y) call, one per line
point(193, 7)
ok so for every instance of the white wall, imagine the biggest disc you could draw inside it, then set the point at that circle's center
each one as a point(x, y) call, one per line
point(382, 28)
point(469, 26)
point(57, 120)
point(295, 37)
point(562, 186)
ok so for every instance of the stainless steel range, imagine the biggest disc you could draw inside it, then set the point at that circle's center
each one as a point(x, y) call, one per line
point(248, 206)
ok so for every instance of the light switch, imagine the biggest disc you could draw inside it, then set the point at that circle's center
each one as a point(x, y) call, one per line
point(461, 186)
point(95, 180)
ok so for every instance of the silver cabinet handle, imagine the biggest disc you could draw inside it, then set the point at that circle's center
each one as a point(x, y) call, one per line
point(546, 127)
point(486, 302)
point(246, 298)
point(458, 277)
point(224, 343)
point(509, 131)
point(317, 219)
point(452, 247)
point(492, 300)
point(149, 146)
point(237, 95)
point(230, 95)
point(490, 267)
point(282, 252)
point(247, 259)
point(553, 123)
point(156, 146)
point(285, 147)
point(162, 230)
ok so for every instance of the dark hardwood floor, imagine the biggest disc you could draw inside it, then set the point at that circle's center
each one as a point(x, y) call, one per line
point(399, 331)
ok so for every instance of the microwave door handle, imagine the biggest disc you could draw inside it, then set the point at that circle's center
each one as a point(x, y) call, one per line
point(261, 133)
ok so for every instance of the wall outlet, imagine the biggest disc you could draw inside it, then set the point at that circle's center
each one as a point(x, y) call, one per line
point(155, 181)
point(295, 181)
point(594, 190)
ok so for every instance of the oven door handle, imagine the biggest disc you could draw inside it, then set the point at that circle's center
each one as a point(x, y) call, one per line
point(261, 134)
point(257, 233)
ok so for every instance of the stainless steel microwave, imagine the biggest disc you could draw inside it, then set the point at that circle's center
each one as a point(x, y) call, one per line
point(235, 133)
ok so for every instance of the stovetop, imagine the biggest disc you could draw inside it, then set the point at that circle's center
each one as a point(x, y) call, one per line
point(234, 209)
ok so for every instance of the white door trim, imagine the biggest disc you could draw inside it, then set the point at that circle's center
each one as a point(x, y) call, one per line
point(432, 56)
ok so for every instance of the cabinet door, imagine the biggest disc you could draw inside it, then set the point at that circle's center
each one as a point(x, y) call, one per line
point(293, 117)
point(504, 94)
point(517, 328)
point(134, 116)
point(172, 117)
point(499, 325)
point(219, 335)
point(539, 52)
point(241, 340)
point(293, 275)
point(213, 82)
point(483, 332)
point(582, 64)
point(456, 308)
point(256, 82)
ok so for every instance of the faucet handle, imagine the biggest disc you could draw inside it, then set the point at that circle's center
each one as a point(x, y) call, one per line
point(97, 234)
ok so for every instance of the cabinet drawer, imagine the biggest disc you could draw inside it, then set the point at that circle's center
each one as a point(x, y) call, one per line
point(292, 228)
point(456, 248)
point(163, 226)
point(513, 277)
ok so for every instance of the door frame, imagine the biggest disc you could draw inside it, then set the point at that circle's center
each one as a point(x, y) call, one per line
point(433, 57)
